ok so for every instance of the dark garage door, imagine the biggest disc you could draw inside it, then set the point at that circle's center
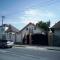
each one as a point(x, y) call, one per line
point(39, 39)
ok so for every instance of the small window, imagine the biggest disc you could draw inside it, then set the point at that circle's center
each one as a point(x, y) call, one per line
point(26, 28)
point(34, 28)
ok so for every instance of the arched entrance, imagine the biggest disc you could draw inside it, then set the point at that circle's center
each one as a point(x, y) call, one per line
point(27, 39)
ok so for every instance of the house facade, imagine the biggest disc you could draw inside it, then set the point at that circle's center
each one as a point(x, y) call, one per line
point(8, 32)
point(29, 29)
point(56, 34)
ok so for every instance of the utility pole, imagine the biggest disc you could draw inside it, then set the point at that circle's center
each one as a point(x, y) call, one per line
point(3, 36)
point(2, 19)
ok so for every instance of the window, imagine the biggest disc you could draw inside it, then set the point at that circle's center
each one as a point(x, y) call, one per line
point(34, 28)
point(26, 28)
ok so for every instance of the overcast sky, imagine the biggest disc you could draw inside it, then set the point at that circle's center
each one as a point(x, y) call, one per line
point(20, 12)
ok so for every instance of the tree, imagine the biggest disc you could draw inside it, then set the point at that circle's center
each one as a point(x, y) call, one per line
point(43, 25)
point(48, 23)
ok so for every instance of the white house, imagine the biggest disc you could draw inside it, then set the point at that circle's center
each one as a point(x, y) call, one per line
point(8, 32)
point(28, 29)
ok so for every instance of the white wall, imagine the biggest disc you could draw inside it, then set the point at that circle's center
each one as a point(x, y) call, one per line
point(18, 38)
point(7, 36)
point(12, 37)
point(37, 30)
point(32, 28)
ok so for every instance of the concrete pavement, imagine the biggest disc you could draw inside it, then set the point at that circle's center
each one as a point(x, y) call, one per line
point(40, 47)
point(25, 53)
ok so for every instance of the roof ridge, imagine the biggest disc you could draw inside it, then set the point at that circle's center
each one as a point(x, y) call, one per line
point(27, 25)
point(56, 25)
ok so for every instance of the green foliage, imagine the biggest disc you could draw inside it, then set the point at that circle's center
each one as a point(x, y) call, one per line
point(43, 25)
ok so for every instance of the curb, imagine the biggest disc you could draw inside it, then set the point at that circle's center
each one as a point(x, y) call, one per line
point(47, 48)
point(19, 46)
point(53, 49)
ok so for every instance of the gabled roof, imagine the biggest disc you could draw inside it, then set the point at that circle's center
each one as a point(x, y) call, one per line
point(4, 25)
point(56, 26)
point(27, 26)
point(10, 28)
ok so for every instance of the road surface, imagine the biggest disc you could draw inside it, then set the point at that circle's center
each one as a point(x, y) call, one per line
point(22, 53)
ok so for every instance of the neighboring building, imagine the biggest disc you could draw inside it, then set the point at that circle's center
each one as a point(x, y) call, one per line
point(56, 34)
point(28, 30)
point(8, 32)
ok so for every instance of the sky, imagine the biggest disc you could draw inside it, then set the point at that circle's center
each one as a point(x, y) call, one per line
point(20, 12)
